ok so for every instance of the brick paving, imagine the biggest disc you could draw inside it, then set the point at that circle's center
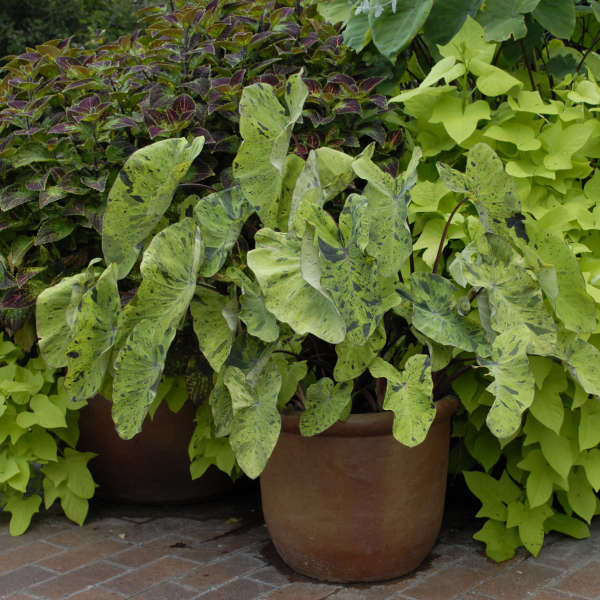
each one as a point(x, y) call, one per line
point(220, 550)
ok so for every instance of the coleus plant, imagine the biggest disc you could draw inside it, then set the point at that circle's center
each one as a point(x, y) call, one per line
point(70, 116)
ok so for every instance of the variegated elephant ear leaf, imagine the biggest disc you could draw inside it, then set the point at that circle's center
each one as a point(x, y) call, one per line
point(513, 384)
point(138, 368)
point(350, 275)
point(256, 422)
point(140, 196)
point(279, 263)
point(220, 217)
point(266, 130)
point(436, 314)
point(170, 267)
point(513, 296)
point(215, 321)
point(92, 336)
point(490, 189)
point(326, 402)
point(390, 238)
point(581, 359)
point(52, 325)
point(326, 173)
point(561, 280)
point(254, 314)
point(409, 394)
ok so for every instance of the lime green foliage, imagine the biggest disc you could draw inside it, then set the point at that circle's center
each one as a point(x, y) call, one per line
point(38, 426)
point(533, 275)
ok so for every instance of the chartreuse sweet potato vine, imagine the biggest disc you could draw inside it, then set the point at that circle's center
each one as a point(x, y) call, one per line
point(38, 434)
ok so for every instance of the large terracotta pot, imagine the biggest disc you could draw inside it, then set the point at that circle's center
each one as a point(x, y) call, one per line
point(353, 504)
point(151, 468)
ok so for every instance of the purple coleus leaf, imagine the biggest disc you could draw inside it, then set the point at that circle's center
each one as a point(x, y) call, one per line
point(95, 184)
point(155, 131)
point(16, 299)
point(27, 274)
point(53, 230)
point(348, 105)
point(183, 105)
point(366, 85)
point(63, 128)
point(38, 184)
point(380, 101)
point(13, 196)
point(345, 81)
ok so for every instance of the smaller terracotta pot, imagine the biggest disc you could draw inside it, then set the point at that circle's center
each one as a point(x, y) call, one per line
point(151, 468)
point(353, 504)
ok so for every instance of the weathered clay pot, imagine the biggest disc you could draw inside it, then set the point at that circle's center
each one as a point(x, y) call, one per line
point(353, 504)
point(151, 468)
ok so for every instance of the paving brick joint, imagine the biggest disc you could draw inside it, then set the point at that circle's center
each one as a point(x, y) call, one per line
point(220, 550)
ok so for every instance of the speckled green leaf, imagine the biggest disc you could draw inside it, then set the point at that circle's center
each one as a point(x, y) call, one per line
point(169, 268)
point(140, 196)
point(513, 295)
point(256, 422)
point(350, 275)
point(221, 407)
point(325, 404)
point(353, 360)
point(214, 325)
point(138, 368)
point(513, 384)
point(436, 315)
point(560, 276)
point(582, 360)
point(325, 174)
point(93, 334)
point(492, 191)
point(53, 328)
point(148, 323)
point(266, 129)
point(277, 263)
point(390, 240)
point(220, 217)
point(409, 394)
point(258, 320)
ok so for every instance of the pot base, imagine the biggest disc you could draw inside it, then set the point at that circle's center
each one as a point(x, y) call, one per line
point(352, 504)
point(151, 468)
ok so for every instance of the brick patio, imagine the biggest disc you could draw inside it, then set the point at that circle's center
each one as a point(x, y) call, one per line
point(220, 550)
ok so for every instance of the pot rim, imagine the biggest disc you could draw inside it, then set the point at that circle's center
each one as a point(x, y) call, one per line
point(369, 424)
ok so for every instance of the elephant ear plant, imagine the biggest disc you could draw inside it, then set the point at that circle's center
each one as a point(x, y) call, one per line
point(360, 329)
point(112, 331)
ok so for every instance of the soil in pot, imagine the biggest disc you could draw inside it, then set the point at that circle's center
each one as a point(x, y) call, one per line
point(352, 504)
point(151, 468)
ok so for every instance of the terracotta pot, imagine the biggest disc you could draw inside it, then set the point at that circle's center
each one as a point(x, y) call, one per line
point(151, 468)
point(352, 504)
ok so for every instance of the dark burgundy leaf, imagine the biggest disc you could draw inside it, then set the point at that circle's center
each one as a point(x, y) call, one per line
point(348, 105)
point(18, 104)
point(184, 106)
point(52, 194)
point(53, 231)
point(155, 131)
point(208, 138)
point(121, 123)
point(38, 184)
point(154, 117)
point(13, 196)
point(95, 184)
point(26, 274)
point(16, 299)
point(345, 81)
point(238, 77)
point(314, 87)
point(375, 131)
point(380, 101)
point(29, 132)
point(80, 84)
point(366, 85)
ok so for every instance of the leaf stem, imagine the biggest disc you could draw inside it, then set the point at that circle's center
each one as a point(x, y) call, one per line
point(444, 234)
point(596, 40)
point(526, 60)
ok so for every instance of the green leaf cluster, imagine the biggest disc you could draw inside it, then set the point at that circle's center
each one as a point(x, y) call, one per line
point(38, 434)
